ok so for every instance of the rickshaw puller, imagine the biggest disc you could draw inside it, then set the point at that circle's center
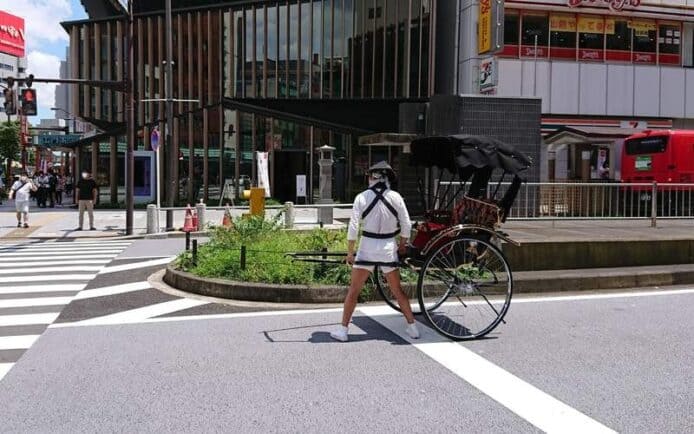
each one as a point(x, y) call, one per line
point(384, 216)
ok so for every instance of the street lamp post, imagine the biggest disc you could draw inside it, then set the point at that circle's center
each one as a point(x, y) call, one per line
point(130, 98)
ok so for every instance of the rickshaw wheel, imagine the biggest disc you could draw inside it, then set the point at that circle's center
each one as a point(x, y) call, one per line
point(469, 282)
point(409, 287)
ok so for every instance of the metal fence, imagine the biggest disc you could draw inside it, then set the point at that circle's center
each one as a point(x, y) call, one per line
point(587, 200)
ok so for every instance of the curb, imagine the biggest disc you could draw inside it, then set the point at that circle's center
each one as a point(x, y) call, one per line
point(250, 291)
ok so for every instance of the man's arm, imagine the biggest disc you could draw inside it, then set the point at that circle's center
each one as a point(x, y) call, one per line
point(353, 229)
point(95, 191)
point(405, 225)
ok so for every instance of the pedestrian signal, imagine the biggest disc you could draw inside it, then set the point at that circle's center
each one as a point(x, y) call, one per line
point(29, 102)
point(10, 104)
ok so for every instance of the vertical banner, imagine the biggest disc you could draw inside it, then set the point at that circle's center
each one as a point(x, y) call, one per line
point(263, 172)
point(484, 27)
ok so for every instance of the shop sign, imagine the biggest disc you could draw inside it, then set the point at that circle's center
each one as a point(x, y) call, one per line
point(590, 54)
point(562, 23)
point(644, 57)
point(488, 75)
point(490, 26)
point(613, 5)
point(11, 34)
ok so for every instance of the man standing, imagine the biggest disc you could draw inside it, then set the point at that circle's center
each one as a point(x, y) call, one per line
point(86, 192)
point(42, 194)
point(384, 217)
point(21, 192)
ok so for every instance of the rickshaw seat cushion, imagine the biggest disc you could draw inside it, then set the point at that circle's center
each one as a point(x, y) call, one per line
point(425, 232)
point(477, 211)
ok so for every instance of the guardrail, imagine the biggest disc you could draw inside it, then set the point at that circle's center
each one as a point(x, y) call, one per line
point(293, 215)
point(588, 200)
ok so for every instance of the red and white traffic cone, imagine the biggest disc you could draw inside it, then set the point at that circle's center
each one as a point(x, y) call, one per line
point(188, 224)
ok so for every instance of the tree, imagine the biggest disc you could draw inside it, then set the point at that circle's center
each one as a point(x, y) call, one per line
point(9, 145)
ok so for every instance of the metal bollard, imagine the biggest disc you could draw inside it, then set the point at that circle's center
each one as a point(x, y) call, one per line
point(195, 252)
point(289, 215)
point(654, 204)
point(200, 209)
point(187, 241)
point(152, 219)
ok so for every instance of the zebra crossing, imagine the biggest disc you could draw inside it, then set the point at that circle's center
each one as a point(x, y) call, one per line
point(37, 280)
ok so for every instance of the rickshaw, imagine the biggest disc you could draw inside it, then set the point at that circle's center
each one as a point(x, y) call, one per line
point(455, 268)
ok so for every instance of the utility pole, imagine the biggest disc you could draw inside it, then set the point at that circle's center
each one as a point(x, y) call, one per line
point(169, 151)
point(130, 98)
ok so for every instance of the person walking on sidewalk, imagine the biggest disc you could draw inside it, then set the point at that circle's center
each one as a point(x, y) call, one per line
point(85, 192)
point(59, 188)
point(42, 193)
point(384, 216)
point(21, 193)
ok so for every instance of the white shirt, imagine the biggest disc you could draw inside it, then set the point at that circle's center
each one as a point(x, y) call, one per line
point(380, 220)
point(21, 193)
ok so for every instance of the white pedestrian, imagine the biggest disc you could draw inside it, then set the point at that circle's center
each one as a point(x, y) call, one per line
point(21, 193)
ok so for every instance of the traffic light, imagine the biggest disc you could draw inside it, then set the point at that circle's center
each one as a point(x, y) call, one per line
point(10, 103)
point(29, 102)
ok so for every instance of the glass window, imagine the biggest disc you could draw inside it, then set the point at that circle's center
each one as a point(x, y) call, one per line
point(327, 47)
point(260, 64)
point(415, 52)
point(272, 47)
point(283, 48)
point(317, 42)
point(402, 47)
point(511, 27)
point(591, 38)
point(535, 32)
point(293, 50)
point(562, 36)
point(669, 38)
point(618, 39)
point(644, 41)
point(379, 21)
point(648, 145)
point(305, 53)
point(347, 35)
point(249, 54)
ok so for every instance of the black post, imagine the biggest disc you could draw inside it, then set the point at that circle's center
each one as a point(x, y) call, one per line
point(187, 241)
point(130, 98)
point(195, 252)
point(243, 257)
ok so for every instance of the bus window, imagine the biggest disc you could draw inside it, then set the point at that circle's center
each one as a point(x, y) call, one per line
point(647, 145)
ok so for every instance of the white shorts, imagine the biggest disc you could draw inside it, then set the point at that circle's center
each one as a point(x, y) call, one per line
point(22, 206)
point(376, 250)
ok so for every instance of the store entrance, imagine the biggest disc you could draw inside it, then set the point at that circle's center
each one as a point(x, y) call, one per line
point(288, 164)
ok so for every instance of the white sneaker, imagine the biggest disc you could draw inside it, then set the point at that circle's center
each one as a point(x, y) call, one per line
point(412, 330)
point(340, 334)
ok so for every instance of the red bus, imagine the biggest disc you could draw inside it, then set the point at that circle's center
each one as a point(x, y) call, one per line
point(663, 156)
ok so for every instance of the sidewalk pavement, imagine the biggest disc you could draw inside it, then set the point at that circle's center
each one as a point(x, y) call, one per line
point(61, 222)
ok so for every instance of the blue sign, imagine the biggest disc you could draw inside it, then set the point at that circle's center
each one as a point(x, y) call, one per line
point(154, 139)
point(48, 140)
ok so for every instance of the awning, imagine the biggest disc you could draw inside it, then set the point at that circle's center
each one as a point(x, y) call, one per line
point(589, 135)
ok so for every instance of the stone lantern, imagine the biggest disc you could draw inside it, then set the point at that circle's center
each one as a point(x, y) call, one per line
point(325, 183)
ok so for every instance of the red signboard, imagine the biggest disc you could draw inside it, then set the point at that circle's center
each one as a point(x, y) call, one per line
point(11, 35)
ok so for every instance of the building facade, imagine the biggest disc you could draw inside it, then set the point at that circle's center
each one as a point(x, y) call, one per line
point(595, 65)
point(283, 77)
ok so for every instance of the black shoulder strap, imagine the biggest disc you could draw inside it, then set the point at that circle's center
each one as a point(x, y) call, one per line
point(20, 187)
point(379, 189)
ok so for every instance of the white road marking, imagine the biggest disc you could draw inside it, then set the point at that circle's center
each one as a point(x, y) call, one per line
point(38, 252)
point(42, 288)
point(41, 259)
point(31, 270)
point(29, 319)
point(537, 407)
point(206, 317)
point(143, 313)
point(112, 290)
point(22, 263)
point(40, 301)
point(65, 246)
point(136, 265)
point(17, 342)
point(63, 277)
point(386, 310)
point(5, 368)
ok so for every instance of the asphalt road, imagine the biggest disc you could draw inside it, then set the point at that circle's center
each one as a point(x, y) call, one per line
point(122, 356)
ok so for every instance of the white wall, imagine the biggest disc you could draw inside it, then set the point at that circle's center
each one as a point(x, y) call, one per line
point(572, 88)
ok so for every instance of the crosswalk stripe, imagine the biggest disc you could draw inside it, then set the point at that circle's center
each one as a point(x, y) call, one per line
point(112, 290)
point(36, 318)
point(33, 252)
point(28, 302)
point(62, 256)
point(42, 288)
point(5, 368)
point(64, 246)
point(17, 342)
point(61, 277)
point(28, 270)
point(136, 265)
point(14, 264)
point(143, 313)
